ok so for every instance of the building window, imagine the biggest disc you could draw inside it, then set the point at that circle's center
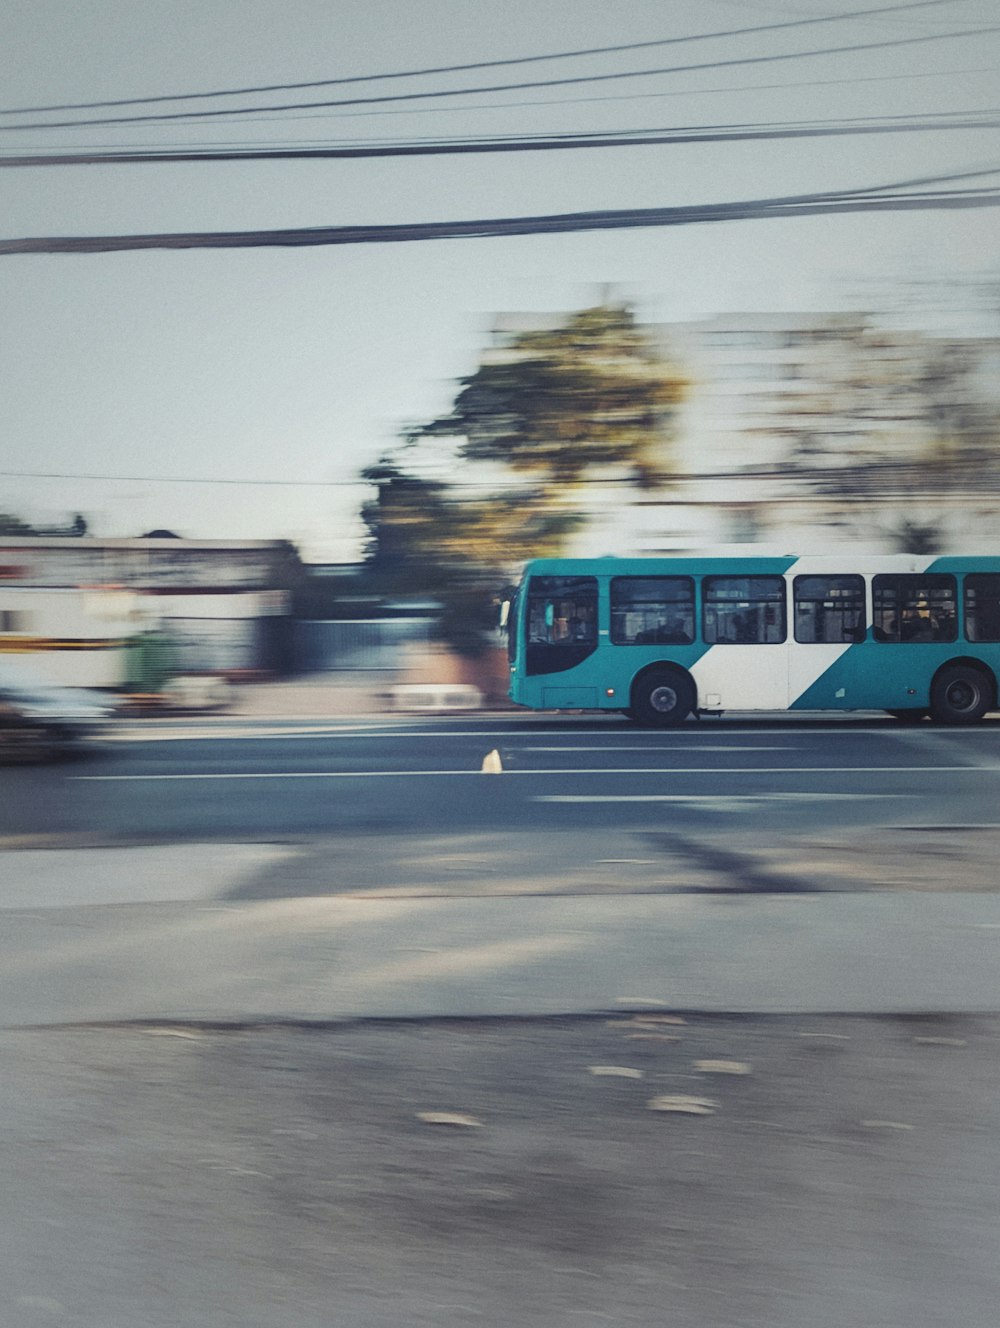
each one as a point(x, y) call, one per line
point(744, 610)
point(652, 610)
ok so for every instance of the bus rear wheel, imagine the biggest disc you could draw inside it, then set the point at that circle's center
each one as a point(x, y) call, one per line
point(662, 698)
point(960, 695)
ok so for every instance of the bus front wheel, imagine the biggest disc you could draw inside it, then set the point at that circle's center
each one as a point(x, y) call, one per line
point(960, 695)
point(662, 698)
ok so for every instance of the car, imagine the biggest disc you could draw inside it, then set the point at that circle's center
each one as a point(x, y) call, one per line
point(38, 719)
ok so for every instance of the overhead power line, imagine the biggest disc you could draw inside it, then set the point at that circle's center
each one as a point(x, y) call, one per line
point(633, 97)
point(533, 143)
point(171, 479)
point(861, 473)
point(901, 195)
point(479, 64)
point(175, 116)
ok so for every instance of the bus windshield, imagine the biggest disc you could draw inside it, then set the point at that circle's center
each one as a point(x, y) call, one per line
point(561, 622)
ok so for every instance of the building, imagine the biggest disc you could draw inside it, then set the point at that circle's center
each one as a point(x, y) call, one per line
point(71, 606)
point(802, 431)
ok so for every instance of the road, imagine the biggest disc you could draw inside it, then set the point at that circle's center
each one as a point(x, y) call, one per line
point(226, 945)
point(239, 871)
point(232, 779)
point(576, 806)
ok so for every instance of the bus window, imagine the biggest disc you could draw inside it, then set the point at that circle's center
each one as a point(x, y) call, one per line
point(829, 609)
point(915, 608)
point(561, 622)
point(652, 610)
point(982, 606)
point(747, 610)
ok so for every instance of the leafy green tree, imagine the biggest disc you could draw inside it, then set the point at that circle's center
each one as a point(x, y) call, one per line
point(556, 403)
point(423, 539)
point(551, 408)
point(13, 525)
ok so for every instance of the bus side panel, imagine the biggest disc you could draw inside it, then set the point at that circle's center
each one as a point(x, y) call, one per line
point(743, 677)
point(874, 675)
point(808, 666)
point(609, 669)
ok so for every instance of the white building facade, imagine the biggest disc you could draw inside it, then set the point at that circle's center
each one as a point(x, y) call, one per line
point(71, 606)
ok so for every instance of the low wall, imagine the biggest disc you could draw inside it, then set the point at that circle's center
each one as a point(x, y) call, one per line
point(430, 662)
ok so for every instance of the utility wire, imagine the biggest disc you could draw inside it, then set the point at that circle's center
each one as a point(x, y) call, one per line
point(171, 117)
point(480, 64)
point(729, 88)
point(887, 197)
point(589, 101)
point(533, 143)
point(167, 479)
point(886, 468)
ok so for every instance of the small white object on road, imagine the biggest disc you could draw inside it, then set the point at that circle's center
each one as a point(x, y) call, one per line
point(456, 1118)
point(682, 1103)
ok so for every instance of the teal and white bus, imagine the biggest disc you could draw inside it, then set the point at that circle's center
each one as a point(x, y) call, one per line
point(664, 638)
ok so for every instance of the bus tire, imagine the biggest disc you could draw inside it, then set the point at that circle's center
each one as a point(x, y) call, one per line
point(960, 695)
point(908, 716)
point(662, 698)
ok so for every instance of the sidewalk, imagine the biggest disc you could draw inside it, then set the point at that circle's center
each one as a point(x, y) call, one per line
point(312, 696)
point(135, 940)
point(330, 695)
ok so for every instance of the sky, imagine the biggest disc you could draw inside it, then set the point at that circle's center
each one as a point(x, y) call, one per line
point(215, 368)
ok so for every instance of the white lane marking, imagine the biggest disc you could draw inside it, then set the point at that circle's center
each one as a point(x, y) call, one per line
point(838, 728)
point(202, 735)
point(715, 802)
point(633, 770)
point(723, 747)
point(952, 826)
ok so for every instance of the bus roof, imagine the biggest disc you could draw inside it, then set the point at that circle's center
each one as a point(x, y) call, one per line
point(749, 565)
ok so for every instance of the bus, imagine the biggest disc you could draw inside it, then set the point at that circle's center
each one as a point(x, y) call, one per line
point(661, 639)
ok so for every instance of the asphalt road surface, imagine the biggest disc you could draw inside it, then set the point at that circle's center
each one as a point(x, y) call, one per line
point(181, 781)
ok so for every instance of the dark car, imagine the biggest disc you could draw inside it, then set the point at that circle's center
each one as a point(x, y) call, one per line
point(39, 719)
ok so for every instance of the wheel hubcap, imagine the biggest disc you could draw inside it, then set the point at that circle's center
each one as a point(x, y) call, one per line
point(663, 699)
point(962, 696)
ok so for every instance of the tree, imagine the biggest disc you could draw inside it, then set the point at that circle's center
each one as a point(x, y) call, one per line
point(556, 403)
point(423, 539)
point(548, 408)
point(13, 525)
